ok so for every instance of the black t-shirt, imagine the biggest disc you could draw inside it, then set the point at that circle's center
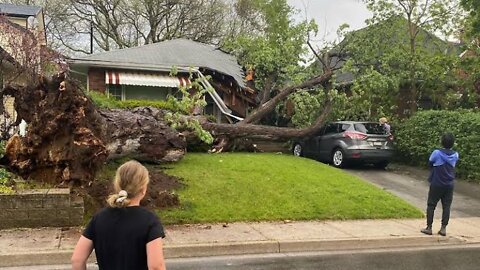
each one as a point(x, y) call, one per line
point(120, 236)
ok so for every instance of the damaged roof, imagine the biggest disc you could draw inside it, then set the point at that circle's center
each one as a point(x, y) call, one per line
point(19, 10)
point(178, 52)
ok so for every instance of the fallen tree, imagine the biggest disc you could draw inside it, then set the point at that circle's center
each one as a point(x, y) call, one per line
point(69, 139)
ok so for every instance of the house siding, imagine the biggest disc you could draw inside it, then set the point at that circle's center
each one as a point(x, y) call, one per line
point(20, 21)
point(96, 80)
point(236, 104)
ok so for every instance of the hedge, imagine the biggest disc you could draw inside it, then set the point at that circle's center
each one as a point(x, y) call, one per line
point(419, 135)
point(102, 101)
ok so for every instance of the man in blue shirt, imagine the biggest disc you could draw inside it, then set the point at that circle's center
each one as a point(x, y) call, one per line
point(442, 177)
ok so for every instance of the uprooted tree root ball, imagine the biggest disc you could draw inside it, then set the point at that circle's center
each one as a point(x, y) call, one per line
point(68, 139)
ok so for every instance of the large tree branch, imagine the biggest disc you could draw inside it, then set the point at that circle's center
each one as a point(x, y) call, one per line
point(253, 131)
point(272, 103)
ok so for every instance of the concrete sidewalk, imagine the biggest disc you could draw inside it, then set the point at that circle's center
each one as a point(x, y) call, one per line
point(21, 247)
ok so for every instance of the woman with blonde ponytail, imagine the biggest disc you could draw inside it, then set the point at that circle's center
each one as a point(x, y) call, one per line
point(124, 235)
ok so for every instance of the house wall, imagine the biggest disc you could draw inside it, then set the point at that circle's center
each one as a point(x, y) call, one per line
point(41, 28)
point(96, 80)
point(238, 105)
point(11, 35)
point(20, 21)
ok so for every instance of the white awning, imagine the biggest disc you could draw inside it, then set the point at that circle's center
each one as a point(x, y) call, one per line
point(144, 79)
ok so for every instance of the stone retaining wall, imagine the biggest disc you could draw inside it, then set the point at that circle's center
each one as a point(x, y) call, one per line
point(40, 208)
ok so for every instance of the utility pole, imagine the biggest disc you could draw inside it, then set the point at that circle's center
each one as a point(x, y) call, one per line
point(91, 36)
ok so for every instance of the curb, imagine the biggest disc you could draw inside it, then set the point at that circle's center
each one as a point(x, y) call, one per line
point(286, 246)
point(240, 248)
point(40, 258)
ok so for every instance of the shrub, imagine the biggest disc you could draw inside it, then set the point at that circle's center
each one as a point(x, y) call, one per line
point(419, 135)
point(5, 176)
point(103, 101)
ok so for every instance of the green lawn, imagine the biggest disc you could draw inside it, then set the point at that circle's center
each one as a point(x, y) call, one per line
point(251, 187)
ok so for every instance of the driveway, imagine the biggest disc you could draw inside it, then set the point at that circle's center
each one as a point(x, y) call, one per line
point(411, 185)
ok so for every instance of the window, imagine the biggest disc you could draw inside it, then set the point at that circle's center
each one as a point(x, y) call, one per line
point(146, 92)
point(115, 91)
point(331, 128)
point(344, 127)
point(370, 128)
point(176, 93)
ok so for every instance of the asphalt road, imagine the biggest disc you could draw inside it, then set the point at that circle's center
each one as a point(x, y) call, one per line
point(411, 185)
point(451, 258)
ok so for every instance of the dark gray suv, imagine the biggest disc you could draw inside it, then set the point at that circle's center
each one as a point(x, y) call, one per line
point(342, 142)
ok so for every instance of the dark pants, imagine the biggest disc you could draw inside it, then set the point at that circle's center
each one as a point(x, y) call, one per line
point(436, 193)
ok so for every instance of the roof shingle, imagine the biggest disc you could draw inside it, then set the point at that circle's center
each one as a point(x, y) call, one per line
point(19, 10)
point(177, 52)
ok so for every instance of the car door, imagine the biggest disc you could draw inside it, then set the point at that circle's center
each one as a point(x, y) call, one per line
point(310, 145)
point(325, 143)
point(313, 143)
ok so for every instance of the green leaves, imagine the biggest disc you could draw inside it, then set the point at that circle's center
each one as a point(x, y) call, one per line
point(277, 47)
point(397, 62)
point(418, 136)
point(5, 176)
point(473, 21)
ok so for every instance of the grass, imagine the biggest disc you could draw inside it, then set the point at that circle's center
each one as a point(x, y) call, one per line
point(253, 187)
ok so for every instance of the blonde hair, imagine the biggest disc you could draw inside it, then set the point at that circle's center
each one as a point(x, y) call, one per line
point(130, 179)
point(383, 120)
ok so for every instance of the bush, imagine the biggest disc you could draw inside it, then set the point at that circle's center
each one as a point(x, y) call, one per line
point(102, 101)
point(5, 176)
point(419, 135)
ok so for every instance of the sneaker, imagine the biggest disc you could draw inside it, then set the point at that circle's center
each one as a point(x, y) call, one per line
point(443, 231)
point(427, 230)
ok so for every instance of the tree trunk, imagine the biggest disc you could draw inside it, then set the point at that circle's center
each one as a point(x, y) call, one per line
point(267, 89)
point(68, 139)
point(272, 103)
point(412, 102)
point(264, 132)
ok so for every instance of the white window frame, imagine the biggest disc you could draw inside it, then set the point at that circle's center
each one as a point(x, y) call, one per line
point(122, 93)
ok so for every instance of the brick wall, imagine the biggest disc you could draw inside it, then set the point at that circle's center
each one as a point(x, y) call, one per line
point(40, 208)
point(96, 80)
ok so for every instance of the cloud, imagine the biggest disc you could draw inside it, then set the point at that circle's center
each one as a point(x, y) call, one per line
point(330, 14)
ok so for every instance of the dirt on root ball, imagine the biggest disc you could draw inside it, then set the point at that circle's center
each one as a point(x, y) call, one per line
point(160, 193)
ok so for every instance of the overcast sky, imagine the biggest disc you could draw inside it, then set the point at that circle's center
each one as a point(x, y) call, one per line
point(330, 14)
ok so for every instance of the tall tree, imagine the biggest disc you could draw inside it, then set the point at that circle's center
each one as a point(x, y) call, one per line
point(269, 41)
point(473, 22)
point(470, 58)
point(400, 47)
point(423, 18)
point(126, 23)
point(92, 135)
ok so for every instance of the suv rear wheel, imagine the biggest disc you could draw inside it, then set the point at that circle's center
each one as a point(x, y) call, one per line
point(297, 150)
point(338, 158)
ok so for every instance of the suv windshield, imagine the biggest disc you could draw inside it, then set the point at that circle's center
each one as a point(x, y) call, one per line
point(369, 128)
